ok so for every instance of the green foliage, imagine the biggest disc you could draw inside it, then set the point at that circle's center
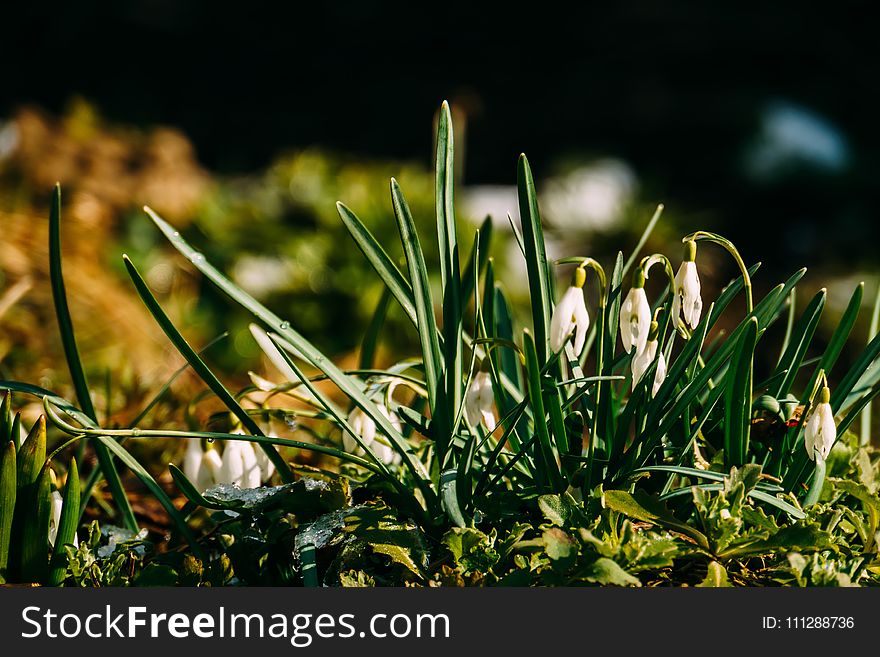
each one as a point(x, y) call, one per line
point(511, 459)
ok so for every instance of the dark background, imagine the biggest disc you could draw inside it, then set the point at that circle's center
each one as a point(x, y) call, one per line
point(675, 88)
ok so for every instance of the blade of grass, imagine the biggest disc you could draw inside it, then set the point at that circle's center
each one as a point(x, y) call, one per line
point(536, 259)
point(200, 368)
point(74, 364)
point(382, 263)
point(865, 423)
point(303, 346)
point(66, 530)
point(450, 269)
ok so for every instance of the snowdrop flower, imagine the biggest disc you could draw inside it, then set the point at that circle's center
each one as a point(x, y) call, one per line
point(570, 315)
point(202, 467)
point(643, 360)
point(480, 396)
point(687, 301)
point(364, 426)
point(821, 432)
point(55, 519)
point(239, 465)
point(635, 316)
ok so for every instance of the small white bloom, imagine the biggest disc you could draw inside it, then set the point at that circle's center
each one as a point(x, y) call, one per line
point(642, 362)
point(570, 315)
point(364, 426)
point(267, 468)
point(820, 432)
point(479, 400)
point(635, 320)
point(239, 465)
point(687, 300)
point(201, 466)
point(659, 374)
point(55, 520)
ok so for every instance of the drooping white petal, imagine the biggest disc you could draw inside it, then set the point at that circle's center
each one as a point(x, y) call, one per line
point(659, 374)
point(479, 401)
point(821, 431)
point(365, 427)
point(582, 323)
point(635, 320)
point(267, 468)
point(251, 475)
point(570, 314)
point(55, 519)
point(209, 470)
point(232, 464)
point(192, 460)
point(642, 361)
point(687, 301)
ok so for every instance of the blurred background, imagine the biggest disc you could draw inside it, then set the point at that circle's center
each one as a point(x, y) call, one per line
point(243, 123)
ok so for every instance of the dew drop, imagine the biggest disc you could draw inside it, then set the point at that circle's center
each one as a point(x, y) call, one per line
point(284, 326)
point(196, 257)
point(176, 234)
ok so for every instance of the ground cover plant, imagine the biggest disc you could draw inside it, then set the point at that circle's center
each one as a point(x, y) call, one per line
point(619, 435)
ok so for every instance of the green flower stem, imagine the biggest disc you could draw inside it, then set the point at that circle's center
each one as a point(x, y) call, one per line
point(600, 348)
point(704, 236)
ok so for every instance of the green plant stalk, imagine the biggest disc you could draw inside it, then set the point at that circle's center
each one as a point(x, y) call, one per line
point(533, 373)
point(701, 236)
point(8, 491)
point(536, 259)
point(865, 423)
point(74, 363)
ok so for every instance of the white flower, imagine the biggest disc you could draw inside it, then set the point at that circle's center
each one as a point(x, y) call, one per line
point(635, 320)
point(642, 362)
point(570, 314)
point(202, 467)
point(479, 399)
point(55, 520)
point(687, 300)
point(820, 432)
point(364, 426)
point(239, 465)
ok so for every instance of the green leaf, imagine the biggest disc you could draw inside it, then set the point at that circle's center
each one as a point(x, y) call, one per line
point(424, 304)
point(200, 368)
point(7, 503)
point(555, 508)
point(648, 508)
point(74, 364)
point(716, 576)
point(738, 397)
point(607, 572)
point(450, 272)
point(536, 258)
point(533, 370)
point(303, 346)
point(559, 546)
point(35, 528)
point(146, 478)
point(382, 263)
point(371, 336)
point(472, 550)
point(67, 525)
point(802, 335)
